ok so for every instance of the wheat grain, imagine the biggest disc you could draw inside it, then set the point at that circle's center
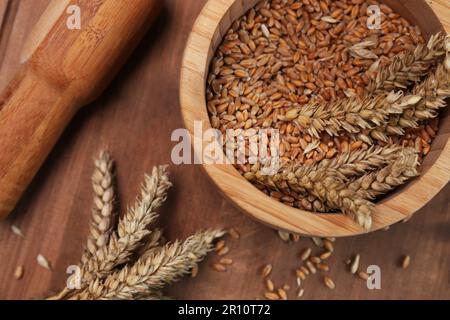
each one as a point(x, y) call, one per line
point(223, 251)
point(298, 282)
point(269, 285)
point(17, 231)
point(311, 267)
point(323, 267)
point(110, 273)
point(355, 264)
point(194, 271)
point(363, 275)
point(329, 283)
point(325, 255)
point(234, 233)
point(220, 245)
point(329, 181)
point(282, 294)
point(271, 296)
point(285, 236)
point(219, 267)
point(267, 270)
point(226, 261)
point(18, 273)
point(43, 262)
point(305, 254)
point(328, 245)
point(300, 274)
point(315, 260)
point(318, 242)
point(406, 262)
point(433, 90)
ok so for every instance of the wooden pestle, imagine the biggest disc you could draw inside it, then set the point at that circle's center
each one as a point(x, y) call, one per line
point(62, 70)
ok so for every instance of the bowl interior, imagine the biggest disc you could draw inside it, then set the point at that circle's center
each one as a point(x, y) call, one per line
point(398, 205)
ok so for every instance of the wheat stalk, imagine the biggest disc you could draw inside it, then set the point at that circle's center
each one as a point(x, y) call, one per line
point(161, 267)
point(385, 180)
point(409, 67)
point(132, 228)
point(103, 212)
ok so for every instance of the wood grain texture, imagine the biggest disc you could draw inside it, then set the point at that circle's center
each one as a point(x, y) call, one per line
point(211, 25)
point(3, 8)
point(134, 120)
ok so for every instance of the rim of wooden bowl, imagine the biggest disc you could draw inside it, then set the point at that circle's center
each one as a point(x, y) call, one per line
point(209, 28)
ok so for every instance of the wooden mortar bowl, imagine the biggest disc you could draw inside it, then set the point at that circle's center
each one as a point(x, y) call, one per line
point(212, 23)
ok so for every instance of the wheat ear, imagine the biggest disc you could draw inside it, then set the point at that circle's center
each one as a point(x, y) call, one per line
point(432, 92)
point(163, 266)
point(349, 165)
point(328, 186)
point(132, 228)
point(103, 212)
point(388, 178)
point(375, 118)
point(352, 114)
point(408, 67)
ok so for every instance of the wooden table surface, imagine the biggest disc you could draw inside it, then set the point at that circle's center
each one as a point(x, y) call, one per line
point(134, 119)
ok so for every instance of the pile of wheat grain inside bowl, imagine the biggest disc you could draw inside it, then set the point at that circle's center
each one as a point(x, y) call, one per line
point(355, 104)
